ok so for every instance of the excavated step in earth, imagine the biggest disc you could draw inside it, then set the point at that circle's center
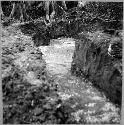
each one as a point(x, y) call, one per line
point(88, 103)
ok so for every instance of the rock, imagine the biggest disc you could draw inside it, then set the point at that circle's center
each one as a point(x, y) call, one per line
point(47, 106)
point(37, 111)
point(115, 48)
point(91, 58)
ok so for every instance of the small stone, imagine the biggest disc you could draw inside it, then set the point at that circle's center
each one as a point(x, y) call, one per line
point(37, 111)
point(47, 106)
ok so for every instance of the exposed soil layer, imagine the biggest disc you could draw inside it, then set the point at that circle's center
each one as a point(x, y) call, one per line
point(39, 88)
point(64, 80)
point(88, 105)
point(98, 57)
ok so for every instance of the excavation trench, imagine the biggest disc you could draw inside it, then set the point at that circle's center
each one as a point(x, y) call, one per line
point(88, 103)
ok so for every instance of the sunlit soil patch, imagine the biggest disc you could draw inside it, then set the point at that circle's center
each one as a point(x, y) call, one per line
point(89, 104)
point(59, 97)
point(29, 94)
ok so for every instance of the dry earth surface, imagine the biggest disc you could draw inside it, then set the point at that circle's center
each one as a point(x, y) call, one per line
point(29, 83)
point(87, 102)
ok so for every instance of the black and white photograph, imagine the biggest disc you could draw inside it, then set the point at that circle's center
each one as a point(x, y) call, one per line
point(61, 62)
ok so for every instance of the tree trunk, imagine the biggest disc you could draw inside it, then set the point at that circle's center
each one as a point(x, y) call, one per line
point(21, 11)
point(13, 10)
point(53, 13)
point(2, 14)
point(64, 5)
point(24, 15)
point(47, 3)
